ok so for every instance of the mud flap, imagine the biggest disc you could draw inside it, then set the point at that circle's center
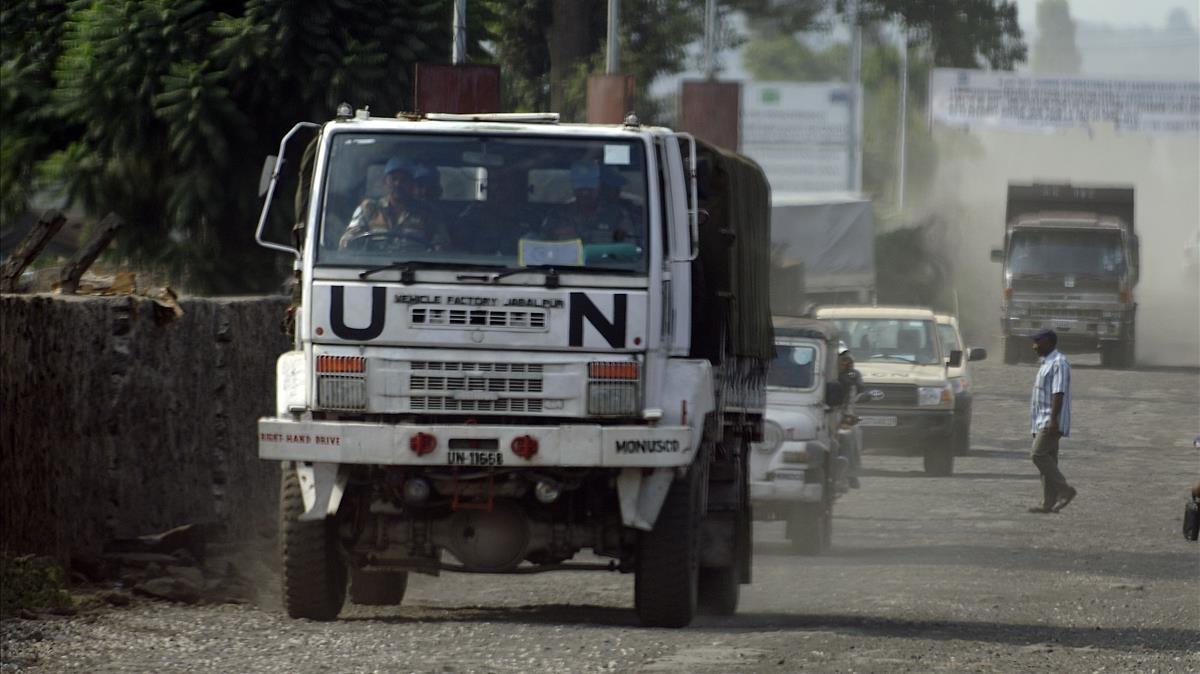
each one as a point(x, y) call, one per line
point(642, 494)
point(321, 485)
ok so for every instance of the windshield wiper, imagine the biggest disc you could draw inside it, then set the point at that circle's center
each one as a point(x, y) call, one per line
point(408, 268)
point(551, 271)
point(903, 359)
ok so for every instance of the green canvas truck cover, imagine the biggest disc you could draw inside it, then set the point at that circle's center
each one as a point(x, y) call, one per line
point(734, 261)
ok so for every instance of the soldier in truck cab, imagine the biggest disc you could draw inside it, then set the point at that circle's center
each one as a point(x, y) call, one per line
point(400, 217)
point(589, 217)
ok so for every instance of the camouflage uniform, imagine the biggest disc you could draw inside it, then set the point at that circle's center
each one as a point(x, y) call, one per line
point(385, 215)
point(608, 224)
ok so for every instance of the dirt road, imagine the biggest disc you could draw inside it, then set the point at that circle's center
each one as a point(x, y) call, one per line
point(926, 574)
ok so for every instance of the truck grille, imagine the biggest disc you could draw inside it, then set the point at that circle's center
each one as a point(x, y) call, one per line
point(526, 319)
point(893, 395)
point(436, 386)
point(422, 403)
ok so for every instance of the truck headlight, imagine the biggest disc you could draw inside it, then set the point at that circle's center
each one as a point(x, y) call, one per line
point(614, 388)
point(342, 382)
point(772, 436)
point(932, 396)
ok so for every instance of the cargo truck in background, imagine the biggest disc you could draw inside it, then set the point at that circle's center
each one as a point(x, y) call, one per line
point(823, 250)
point(561, 346)
point(1070, 262)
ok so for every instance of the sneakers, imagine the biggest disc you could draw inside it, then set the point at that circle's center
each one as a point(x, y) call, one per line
point(1063, 501)
point(1041, 510)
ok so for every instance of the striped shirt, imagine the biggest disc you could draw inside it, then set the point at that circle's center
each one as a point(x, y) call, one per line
point(1054, 376)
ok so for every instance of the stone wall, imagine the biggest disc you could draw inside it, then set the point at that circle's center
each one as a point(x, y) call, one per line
point(118, 419)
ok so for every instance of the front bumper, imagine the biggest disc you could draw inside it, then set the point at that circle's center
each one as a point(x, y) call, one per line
point(914, 429)
point(581, 445)
point(1076, 331)
point(787, 486)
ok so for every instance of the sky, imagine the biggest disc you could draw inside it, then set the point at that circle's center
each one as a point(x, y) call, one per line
point(1118, 13)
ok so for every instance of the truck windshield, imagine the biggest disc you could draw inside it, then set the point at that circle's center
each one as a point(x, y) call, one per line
point(492, 201)
point(890, 340)
point(1066, 252)
point(949, 337)
point(793, 367)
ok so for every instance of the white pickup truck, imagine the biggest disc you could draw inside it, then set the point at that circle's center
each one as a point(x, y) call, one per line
point(516, 340)
point(797, 471)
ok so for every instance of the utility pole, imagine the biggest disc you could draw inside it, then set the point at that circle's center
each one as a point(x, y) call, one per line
point(613, 54)
point(902, 160)
point(710, 39)
point(854, 169)
point(459, 55)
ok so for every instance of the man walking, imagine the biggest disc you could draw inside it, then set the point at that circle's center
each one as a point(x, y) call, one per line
point(1050, 415)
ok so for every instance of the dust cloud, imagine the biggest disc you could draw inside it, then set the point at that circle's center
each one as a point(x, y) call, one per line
point(969, 192)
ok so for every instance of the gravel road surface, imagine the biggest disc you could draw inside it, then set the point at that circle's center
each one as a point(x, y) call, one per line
point(926, 574)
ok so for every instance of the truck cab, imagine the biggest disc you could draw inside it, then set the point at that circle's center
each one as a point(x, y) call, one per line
point(1070, 263)
point(497, 360)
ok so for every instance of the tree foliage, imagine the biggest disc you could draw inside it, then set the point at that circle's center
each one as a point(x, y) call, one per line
point(958, 33)
point(1054, 51)
point(549, 47)
point(162, 110)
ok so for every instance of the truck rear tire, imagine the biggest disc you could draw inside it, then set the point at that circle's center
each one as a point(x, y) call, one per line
point(314, 575)
point(939, 459)
point(1117, 355)
point(720, 586)
point(666, 579)
point(378, 588)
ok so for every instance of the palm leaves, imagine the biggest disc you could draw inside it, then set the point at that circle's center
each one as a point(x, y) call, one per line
point(161, 110)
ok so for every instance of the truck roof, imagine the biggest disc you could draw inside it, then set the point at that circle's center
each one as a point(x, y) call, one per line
point(497, 125)
point(1026, 199)
point(866, 311)
point(1068, 220)
point(791, 326)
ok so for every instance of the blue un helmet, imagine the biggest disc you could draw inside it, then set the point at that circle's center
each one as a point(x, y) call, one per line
point(401, 164)
point(585, 176)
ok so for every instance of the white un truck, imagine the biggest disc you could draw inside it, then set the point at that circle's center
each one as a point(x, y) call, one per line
point(516, 340)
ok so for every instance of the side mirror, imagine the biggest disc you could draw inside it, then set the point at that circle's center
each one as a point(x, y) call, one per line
point(955, 359)
point(835, 393)
point(264, 178)
point(997, 255)
point(976, 353)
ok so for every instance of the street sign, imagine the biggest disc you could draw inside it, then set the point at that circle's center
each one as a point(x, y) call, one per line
point(799, 133)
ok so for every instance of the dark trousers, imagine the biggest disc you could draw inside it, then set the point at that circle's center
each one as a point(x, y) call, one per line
point(1045, 457)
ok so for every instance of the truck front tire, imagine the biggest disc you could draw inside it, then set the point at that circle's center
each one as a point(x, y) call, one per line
point(666, 580)
point(939, 458)
point(807, 528)
point(1014, 350)
point(314, 575)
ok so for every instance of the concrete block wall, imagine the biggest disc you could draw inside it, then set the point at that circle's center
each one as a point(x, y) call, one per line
point(118, 420)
